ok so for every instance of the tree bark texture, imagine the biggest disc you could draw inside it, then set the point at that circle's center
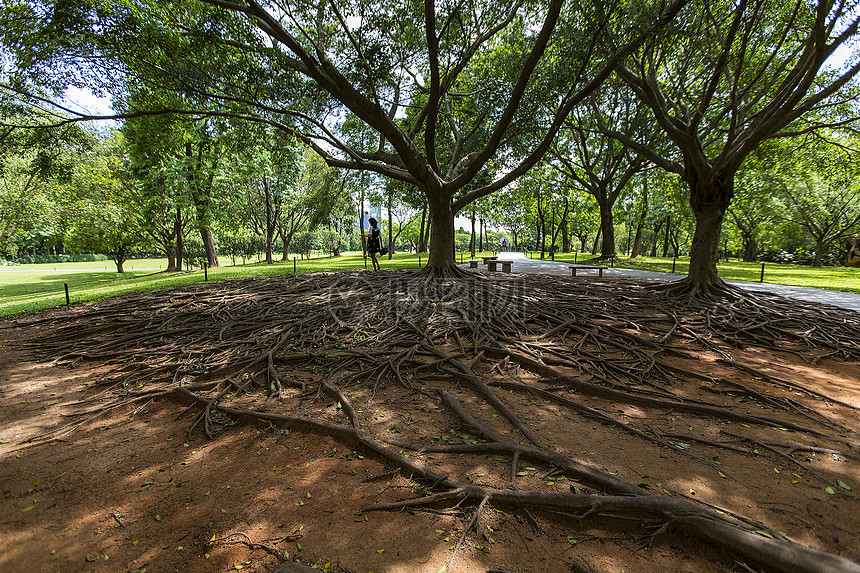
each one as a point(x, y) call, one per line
point(607, 229)
point(596, 241)
point(180, 243)
point(709, 201)
point(390, 235)
point(666, 236)
point(637, 240)
point(422, 241)
point(442, 234)
point(472, 242)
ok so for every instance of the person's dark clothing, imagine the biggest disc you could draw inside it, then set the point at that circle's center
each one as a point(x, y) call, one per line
point(373, 241)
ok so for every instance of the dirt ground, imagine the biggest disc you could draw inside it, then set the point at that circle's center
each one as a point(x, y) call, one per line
point(132, 491)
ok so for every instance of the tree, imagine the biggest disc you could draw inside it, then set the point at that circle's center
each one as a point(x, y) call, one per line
point(583, 219)
point(153, 145)
point(305, 243)
point(270, 170)
point(36, 169)
point(180, 155)
point(823, 198)
point(511, 211)
point(602, 165)
point(758, 184)
point(640, 219)
point(723, 79)
point(474, 84)
point(106, 218)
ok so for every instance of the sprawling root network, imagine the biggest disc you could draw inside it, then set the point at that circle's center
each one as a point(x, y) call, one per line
point(260, 349)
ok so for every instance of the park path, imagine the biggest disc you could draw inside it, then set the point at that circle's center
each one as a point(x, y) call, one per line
point(523, 264)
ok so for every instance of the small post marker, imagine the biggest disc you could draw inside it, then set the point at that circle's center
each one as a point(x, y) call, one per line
point(761, 279)
point(294, 265)
point(419, 261)
point(66, 286)
point(674, 260)
point(205, 272)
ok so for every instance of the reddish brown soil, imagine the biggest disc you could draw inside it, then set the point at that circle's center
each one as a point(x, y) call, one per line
point(131, 490)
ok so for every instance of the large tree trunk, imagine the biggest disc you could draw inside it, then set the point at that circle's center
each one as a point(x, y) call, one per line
point(202, 202)
point(180, 244)
point(750, 248)
point(441, 256)
point(541, 228)
point(361, 227)
point(422, 240)
point(666, 236)
point(637, 241)
point(270, 222)
point(171, 258)
point(607, 229)
point(704, 250)
point(657, 227)
point(119, 257)
point(209, 246)
point(565, 236)
point(820, 246)
point(596, 240)
point(285, 246)
point(472, 242)
point(390, 229)
point(852, 259)
point(709, 201)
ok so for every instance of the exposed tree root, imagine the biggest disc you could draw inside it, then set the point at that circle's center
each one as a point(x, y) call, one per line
point(473, 348)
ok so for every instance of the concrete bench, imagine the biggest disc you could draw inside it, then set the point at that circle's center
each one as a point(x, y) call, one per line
point(473, 264)
point(492, 266)
point(488, 259)
point(573, 269)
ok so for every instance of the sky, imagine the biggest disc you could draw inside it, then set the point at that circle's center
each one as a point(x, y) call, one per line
point(86, 102)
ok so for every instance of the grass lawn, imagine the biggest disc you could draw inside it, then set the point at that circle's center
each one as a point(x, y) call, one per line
point(26, 289)
point(832, 278)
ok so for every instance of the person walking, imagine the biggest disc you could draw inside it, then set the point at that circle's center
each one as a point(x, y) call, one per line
point(373, 242)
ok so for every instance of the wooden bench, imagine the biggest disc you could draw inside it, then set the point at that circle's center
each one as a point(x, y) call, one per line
point(492, 266)
point(573, 269)
point(473, 264)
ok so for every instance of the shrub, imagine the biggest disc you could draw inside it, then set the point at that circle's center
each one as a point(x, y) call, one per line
point(776, 256)
point(331, 242)
point(233, 246)
point(67, 258)
point(304, 243)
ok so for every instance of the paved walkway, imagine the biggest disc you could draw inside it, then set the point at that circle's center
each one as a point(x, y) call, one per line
point(522, 264)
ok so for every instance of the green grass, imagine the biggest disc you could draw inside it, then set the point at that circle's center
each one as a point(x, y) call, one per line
point(26, 289)
point(831, 278)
